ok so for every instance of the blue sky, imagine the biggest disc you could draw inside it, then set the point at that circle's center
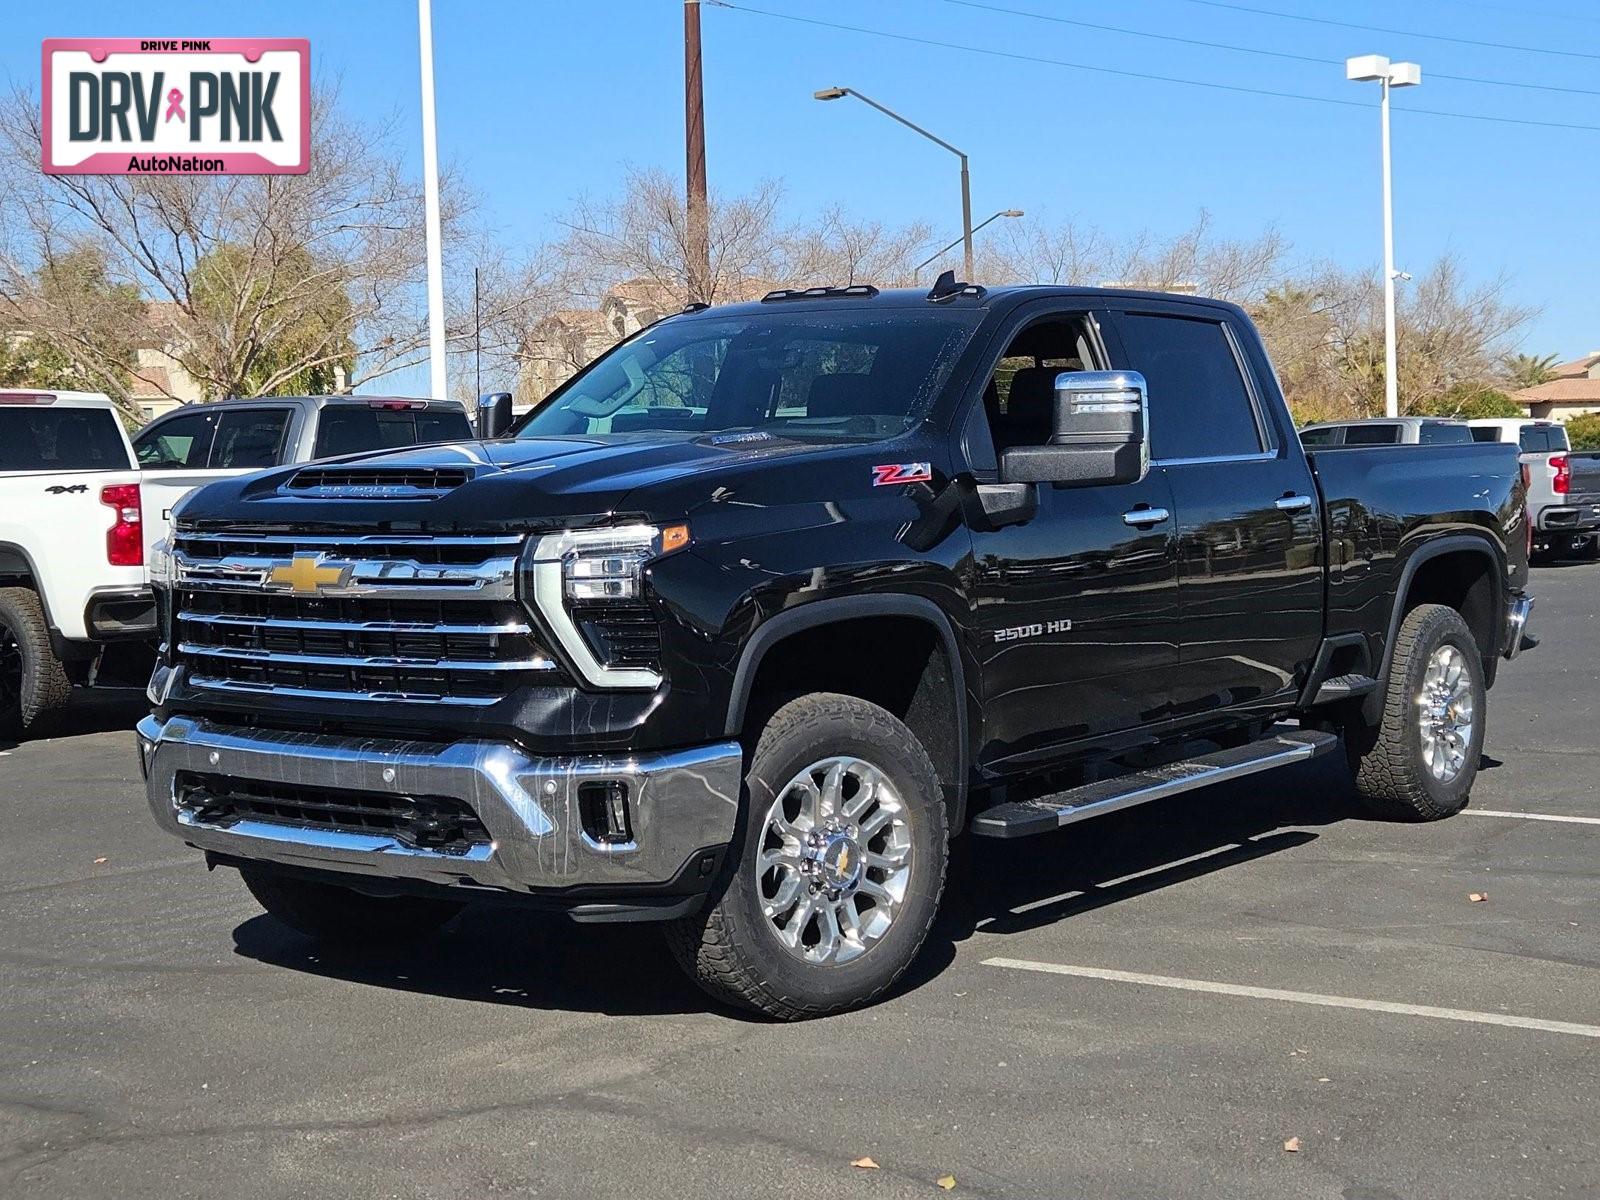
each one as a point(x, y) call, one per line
point(539, 101)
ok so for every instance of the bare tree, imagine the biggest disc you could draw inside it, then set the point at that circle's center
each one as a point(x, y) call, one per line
point(834, 249)
point(643, 234)
point(256, 284)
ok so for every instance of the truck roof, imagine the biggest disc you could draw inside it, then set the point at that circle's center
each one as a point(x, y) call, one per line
point(318, 401)
point(57, 397)
point(865, 298)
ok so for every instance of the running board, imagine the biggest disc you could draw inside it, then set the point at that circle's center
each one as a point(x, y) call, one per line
point(1023, 818)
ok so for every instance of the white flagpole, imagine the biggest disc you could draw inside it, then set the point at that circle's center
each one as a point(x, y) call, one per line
point(430, 200)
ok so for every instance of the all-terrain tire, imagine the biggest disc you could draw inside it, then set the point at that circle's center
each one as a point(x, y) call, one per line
point(33, 683)
point(339, 915)
point(1392, 775)
point(732, 948)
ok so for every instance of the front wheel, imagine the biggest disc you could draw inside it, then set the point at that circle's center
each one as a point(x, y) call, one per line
point(840, 871)
point(1419, 762)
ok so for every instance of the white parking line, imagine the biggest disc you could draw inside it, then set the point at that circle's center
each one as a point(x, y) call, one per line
point(1527, 816)
point(1260, 993)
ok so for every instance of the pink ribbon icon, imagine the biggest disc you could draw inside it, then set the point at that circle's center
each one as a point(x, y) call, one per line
point(175, 105)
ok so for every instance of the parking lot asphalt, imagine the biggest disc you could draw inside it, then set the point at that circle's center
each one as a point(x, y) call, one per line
point(1153, 1004)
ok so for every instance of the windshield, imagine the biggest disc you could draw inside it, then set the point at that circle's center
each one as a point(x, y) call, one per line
point(810, 375)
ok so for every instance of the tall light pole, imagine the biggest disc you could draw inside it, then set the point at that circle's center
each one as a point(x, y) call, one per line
point(836, 93)
point(1368, 68)
point(430, 208)
point(937, 254)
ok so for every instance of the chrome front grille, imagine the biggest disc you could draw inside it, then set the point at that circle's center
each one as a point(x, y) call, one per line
point(376, 618)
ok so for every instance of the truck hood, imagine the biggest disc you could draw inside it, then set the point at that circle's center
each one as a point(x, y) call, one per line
point(508, 484)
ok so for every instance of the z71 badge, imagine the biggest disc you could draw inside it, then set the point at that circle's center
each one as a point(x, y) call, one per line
point(887, 473)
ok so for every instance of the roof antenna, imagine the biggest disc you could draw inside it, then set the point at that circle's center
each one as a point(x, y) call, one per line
point(947, 285)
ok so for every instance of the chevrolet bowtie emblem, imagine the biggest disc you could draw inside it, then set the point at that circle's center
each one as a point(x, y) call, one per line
point(307, 575)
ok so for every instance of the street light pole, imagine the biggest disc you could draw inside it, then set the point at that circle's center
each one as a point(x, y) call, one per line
point(430, 208)
point(1368, 68)
point(1006, 212)
point(836, 93)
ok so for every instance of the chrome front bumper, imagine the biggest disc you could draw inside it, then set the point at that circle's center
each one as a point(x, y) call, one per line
point(681, 803)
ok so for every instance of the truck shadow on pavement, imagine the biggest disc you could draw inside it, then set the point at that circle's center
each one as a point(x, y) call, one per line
point(500, 955)
point(100, 710)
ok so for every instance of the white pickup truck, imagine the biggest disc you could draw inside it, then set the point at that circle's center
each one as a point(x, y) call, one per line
point(72, 562)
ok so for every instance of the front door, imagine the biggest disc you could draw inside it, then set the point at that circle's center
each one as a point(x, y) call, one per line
point(1250, 574)
point(1077, 608)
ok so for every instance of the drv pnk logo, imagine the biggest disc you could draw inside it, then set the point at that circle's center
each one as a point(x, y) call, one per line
point(192, 106)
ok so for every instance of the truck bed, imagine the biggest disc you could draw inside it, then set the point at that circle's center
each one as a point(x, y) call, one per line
point(1381, 502)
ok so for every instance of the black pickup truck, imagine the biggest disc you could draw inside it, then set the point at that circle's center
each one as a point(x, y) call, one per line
point(738, 628)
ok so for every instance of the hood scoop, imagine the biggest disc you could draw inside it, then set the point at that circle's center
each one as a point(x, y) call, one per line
point(374, 483)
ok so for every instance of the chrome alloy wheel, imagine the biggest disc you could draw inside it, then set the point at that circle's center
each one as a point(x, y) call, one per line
point(1445, 713)
point(834, 860)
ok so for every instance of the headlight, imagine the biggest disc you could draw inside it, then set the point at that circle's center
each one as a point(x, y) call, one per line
point(580, 572)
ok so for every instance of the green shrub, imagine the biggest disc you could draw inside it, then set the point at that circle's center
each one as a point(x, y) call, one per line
point(1584, 432)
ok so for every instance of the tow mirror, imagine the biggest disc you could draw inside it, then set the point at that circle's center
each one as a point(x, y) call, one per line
point(1098, 434)
point(494, 414)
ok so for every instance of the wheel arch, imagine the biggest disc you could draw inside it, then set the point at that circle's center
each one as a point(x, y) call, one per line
point(934, 700)
point(1463, 571)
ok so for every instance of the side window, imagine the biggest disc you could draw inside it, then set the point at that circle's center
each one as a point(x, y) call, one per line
point(1318, 437)
point(1372, 435)
point(1199, 404)
point(250, 437)
point(178, 443)
point(1019, 399)
point(1439, 434)
point(1485, 433)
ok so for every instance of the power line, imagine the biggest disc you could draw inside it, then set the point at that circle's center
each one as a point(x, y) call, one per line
point(1077, 66)
point(1283, 54)
point(1416, 33)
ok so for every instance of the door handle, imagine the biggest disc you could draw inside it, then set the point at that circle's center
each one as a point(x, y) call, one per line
point(1293, 503)
point(1145, 516)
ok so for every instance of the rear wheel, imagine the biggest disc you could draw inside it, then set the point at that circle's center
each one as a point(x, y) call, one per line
point(841, 867)
point(1419, 762)
point(334, 914)
point(32, 680)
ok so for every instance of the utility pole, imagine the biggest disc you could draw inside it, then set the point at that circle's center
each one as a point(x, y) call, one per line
point(694, 139)
point(430, 208)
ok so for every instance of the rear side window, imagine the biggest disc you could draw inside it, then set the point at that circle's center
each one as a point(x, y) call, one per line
point(1318, 437)
point(353, 429)
point(1372, 435)
point(1199, 404)
point(250, 438)
point(60, 439)
point(1558, 438)
point(1486, 433)
point(1435, 435)
point(177, 443)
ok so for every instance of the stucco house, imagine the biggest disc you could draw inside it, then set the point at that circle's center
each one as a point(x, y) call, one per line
point(1575, 390)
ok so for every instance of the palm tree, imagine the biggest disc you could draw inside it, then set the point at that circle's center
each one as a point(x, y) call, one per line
point(1526, 370)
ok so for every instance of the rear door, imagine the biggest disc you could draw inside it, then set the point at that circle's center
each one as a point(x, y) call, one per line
point(1250, 575)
